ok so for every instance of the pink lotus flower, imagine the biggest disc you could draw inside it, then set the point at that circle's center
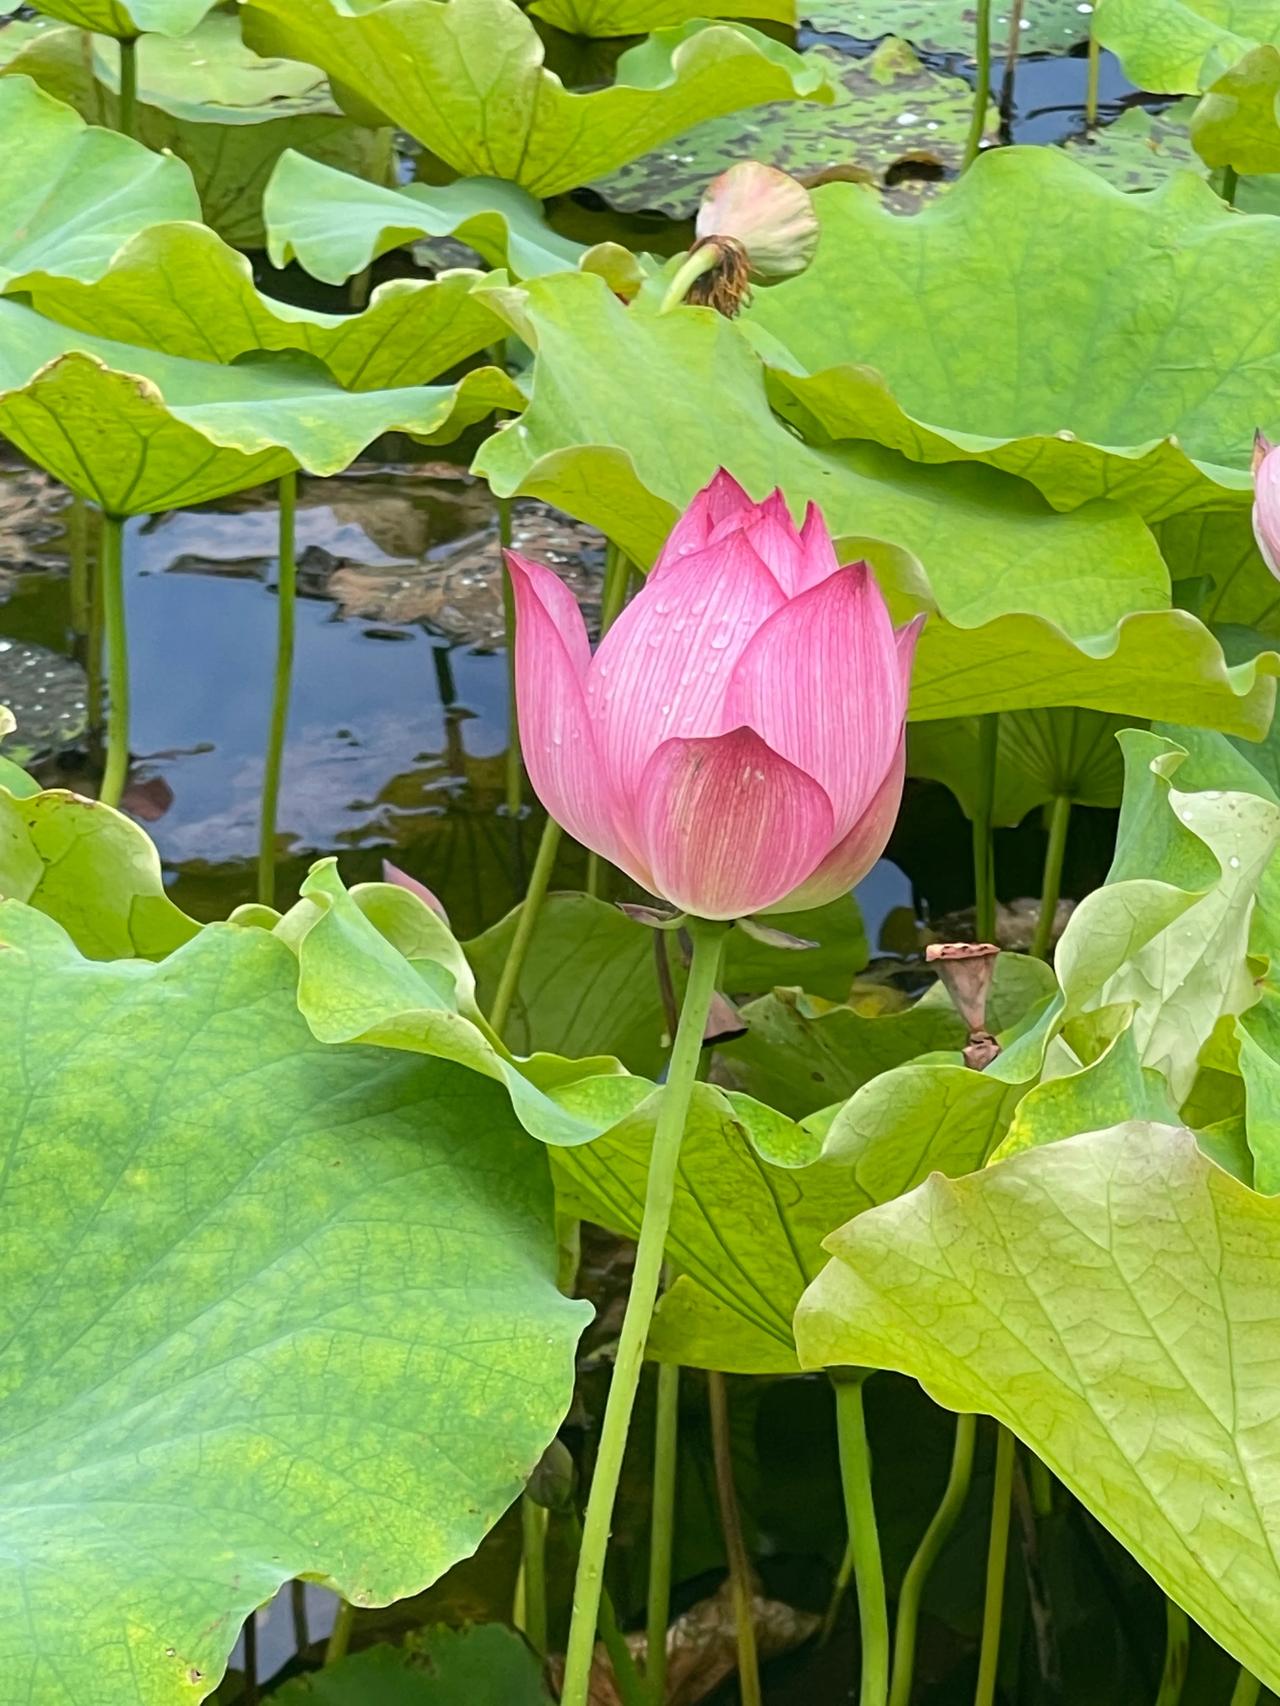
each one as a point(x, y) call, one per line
point(1266, 500)
point(736, 744)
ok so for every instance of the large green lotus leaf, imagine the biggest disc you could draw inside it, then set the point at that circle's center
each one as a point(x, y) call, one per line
point(1169, 931)
point(1040, 756)
point(1033, 607)
point(589, 982)
point(181, 289)
point(465, 77)
point(206, 97)
point(1258, 1032)
point(138, 431)
point(1107, 1091)
point(334, 225)
point(801, 1054)
point(886, 106)
point(597, 18)
point(1236, 123)
point(444, 1667)
point(270, 1309)
point(1114, 1299)
point(919, 332)
point(1215, 555)
point(1180, 46)
point(72, 194)
point(130, 17)
point(747, 1227)
point(93, 870)
point(949, 26)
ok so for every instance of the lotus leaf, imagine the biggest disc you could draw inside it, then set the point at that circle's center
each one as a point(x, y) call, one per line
point(948, 26)
point(1114, 1299)
point(888, 107)
point(1236, 124)
point(129, 18)
point(444, 1667)
point(90, 868)
point(1040, 756)
point(181, 289)
point(138, 431)
point(917, 332)
point(333, 225)
point(1035, 607)
point(596, 18)
point(465, 77)
point(72, 194)
point(260, 1299)
point(226, 112)
point(1180, 46)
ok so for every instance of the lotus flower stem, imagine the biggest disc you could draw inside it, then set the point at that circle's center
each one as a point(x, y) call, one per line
point(617, 578)
point(666, 1435)
point(981, 85)
point(687, 274)
point(535, 894)
point(1051, 887)
point(997, 1560)
point(113, 620)
point(340, 1635)
point(630, 1686)
point(287, 596)
point(935, 1538)
point(1247, 1689)
point(78, 565)
point(1091, 88)
point(731, 1522)
point(1177, 1655)
point(533, 1524)
point(515, 769)
point(984, 876)
point(864, 1536)
point(128, 115)
point(708, 940)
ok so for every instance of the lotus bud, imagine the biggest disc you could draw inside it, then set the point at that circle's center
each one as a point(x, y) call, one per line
point(736, 744)
point(755, 222)
point(1266, 500)
point(402, 880)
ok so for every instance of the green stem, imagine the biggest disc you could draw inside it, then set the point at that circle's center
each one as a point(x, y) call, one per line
point(515, 769)
point(93, 648)
point(286, 596)
point(687, 274)
point(1247, 1689)
point(864, 1539)
point(631, 1689)
point(251, 1695)
point(1041, 1487)
point(735, 1548)
point(358, 289)
point(127, 121)
point(840, 1587)
point(112, 572)
point(1230, 184)
point(984, 876)
point(935, 1538)
point(666, 1435)
point(533, 1524)
point(526, 921)
point(1051, 886)
point(708, 939)
point(298, 1606)
point(997, 1559)
point(340, 1635)
point(981, 85)
point(617, 578)
point(80, 596)
point(1177, 1655)
point(1091, 88)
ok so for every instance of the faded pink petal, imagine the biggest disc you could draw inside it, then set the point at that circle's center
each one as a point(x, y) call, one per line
point(821, 683)
point(718, 501)
point(663, 668)
point(1266, 502)
point(555, 731)
point(851, 859)
point(727, 826)
point(402, 880)
point(819, 558)
point(768, 212)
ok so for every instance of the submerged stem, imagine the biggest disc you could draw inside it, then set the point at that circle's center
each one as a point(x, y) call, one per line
point(1177, 1655)
point(662, 1527)
point(526, 922)
point(113, 620)
point(1051, 886)
point(708, 939)
point(735, 1549)
point(864, 1538)
point(984, 875)
point(1091, 87)
point(997, 1559)
point(981, 85)
point(286, 596)
point(926, 1556)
